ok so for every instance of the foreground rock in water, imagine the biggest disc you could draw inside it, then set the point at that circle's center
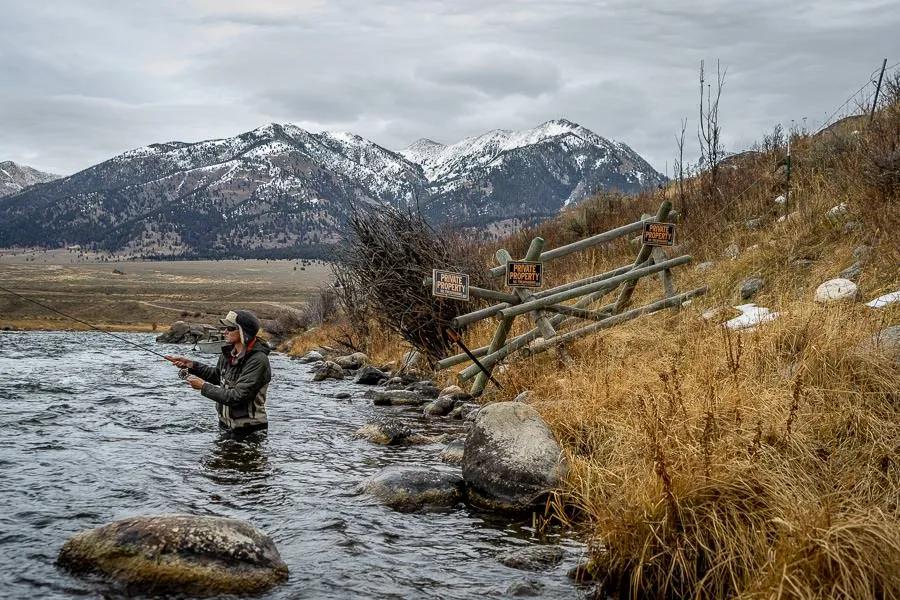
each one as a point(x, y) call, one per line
point(370, 376)
point(396, 398)
point(511, 458)
point(328, 370)
point(532, 558)
point(183, 554)
point(384, 431)
point(413, 488)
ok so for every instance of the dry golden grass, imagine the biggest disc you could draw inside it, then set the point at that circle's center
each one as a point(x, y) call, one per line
point(708, 463)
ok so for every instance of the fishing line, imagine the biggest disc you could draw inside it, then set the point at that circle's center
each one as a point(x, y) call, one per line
point(120, 338)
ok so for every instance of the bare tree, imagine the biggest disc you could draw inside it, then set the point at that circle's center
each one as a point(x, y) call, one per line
point(679, 169)
point(709, 133)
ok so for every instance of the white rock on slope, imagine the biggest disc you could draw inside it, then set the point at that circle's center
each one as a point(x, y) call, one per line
point(752, 315)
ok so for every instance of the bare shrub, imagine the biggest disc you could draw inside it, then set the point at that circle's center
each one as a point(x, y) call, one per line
point(380, 268)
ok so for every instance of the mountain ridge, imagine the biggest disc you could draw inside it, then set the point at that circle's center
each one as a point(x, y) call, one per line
point(279, 188)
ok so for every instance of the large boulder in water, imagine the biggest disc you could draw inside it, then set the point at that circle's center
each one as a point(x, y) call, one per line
point(412, 488)
point(511, 458)
point(176, 333)
point(370, 376)
point(328, 370)
point(178, 554)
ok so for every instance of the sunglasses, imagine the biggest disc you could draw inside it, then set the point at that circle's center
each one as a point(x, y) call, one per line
point(230, 328)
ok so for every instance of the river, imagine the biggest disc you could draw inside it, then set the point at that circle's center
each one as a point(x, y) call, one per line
point(93, 430)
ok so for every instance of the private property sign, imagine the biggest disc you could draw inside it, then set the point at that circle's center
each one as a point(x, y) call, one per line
point(658, 234)
point(448, 284)
point(524, 273)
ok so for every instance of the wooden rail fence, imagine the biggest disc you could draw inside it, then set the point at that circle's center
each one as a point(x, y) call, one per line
point(551, 318)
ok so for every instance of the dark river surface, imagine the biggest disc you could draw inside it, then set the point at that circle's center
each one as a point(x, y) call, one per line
point(93, 430)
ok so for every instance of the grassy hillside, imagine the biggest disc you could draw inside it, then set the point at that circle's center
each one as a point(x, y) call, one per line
point(713, 463)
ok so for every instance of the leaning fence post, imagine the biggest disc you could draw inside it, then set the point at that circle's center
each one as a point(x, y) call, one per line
point(643, 254)
point(497, 342)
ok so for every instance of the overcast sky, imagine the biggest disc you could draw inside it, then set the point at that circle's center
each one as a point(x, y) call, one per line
point(86, 80)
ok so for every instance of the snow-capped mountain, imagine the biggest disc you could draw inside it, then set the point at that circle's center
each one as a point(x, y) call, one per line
point(281, 190)
point(14, 177)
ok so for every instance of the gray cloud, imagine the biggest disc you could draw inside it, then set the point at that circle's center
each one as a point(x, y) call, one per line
point(85, 79)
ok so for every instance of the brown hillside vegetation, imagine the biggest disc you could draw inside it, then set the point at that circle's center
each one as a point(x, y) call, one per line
point(709, 463)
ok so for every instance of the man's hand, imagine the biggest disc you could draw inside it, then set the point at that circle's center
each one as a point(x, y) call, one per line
point(180, 361)
point(195, 382)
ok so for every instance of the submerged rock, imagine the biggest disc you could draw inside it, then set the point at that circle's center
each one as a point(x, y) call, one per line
point(462, 410)
point(440, 407)
point(511, 457)
point(426, 388)
point(532, 558)
point(178, 554)
point(413, 488)
point(526, 588)
point(328, 370)
point(453, 452)
point(384, 431)
point(397, 398)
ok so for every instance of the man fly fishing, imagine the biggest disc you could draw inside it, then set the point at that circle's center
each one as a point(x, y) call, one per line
point(240, 379)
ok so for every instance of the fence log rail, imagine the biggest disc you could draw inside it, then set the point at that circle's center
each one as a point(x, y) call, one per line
point(551, 317)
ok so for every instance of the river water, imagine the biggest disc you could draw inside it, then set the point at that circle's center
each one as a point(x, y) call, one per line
point(93, 430)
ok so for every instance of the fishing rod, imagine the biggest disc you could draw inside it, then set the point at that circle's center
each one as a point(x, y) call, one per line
point(182, 373)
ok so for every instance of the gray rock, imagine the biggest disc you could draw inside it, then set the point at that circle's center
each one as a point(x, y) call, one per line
point(532, 558)
point(328, 370)
point(852, 272)
point(395, 383)
point(178, 554)
point(440, 407)
point(384, 431)
point(343, 395)
point(705, 266)
point(413, 488)
point(750, 287)
point(426, 388)
point(453, 452)
point(836, 290)
point(455, 392)
point(526, 588)
point(397, 398)
point(525, 396)
point(353, 361)
point(462, 410)
point(511, 458)
point(311, 357)
point(886, 342)
point(176, 333)
point(370, 376)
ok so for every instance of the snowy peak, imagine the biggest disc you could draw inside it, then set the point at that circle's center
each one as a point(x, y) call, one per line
point(421, 151)
point(280, 190)
point(15, 177)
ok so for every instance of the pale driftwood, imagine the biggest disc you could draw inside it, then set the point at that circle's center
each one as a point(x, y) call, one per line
point(499, 339)
point(594, 240)
point(631, 276)
point(581, 313)
point(614, 320)
point(625, 295)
